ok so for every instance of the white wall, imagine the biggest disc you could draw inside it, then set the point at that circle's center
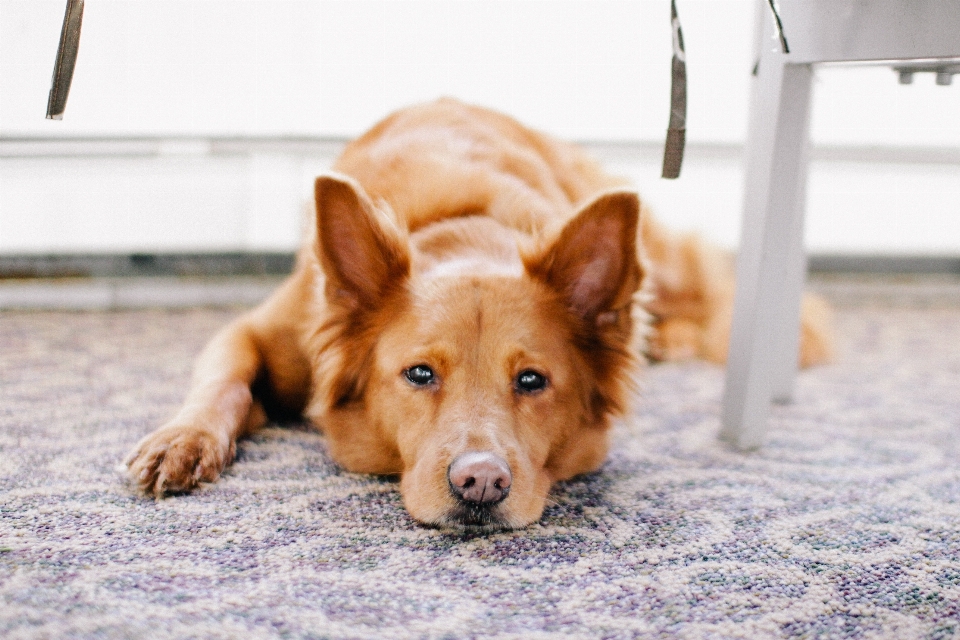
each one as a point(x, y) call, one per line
point(183, 72)
point(207, 67)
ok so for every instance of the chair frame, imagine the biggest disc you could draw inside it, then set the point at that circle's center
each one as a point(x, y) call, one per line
point(771, 265)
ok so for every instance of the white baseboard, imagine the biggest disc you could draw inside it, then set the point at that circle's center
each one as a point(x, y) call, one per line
point(252, 194)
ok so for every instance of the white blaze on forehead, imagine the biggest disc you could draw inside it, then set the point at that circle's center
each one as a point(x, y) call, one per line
point(473, 267)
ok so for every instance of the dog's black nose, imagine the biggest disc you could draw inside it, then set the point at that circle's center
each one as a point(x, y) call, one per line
point(480, 478)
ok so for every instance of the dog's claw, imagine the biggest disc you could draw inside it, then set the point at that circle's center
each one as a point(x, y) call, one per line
point(158, 487)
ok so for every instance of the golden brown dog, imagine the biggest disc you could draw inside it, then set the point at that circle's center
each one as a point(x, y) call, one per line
point(468, 313)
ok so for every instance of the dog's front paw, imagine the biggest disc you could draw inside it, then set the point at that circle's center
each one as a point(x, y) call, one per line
point(675, 339)
point(816, 331)
point(176, 458)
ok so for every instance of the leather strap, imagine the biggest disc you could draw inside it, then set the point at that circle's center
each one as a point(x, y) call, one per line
point(776, 18)
point(677, 129)
point(66, 60)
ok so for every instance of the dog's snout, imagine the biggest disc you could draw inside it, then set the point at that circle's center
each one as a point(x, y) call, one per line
point(480, 478)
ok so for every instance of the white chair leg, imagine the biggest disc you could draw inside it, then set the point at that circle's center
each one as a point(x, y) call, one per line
point(769, 266)
point(785, 346)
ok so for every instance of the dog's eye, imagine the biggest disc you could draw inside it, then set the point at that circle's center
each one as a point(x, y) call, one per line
point(529, 381)
point(420, 375)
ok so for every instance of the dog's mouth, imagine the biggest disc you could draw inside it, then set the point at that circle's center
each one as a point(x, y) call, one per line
point(471, 515)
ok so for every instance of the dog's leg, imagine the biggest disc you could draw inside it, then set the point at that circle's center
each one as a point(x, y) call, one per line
point(201, 439)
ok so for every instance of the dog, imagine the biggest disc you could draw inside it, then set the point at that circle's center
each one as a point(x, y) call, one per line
point(468, 312)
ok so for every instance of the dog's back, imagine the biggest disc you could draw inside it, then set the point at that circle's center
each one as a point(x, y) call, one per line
point(447, 159)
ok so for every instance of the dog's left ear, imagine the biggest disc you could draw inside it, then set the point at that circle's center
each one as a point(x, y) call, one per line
point(593, 262)
point(363, 253)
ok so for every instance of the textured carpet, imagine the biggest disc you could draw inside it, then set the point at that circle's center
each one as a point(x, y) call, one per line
point(846, 525)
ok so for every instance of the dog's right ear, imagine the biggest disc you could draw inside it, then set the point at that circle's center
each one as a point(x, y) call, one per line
point(362, 253)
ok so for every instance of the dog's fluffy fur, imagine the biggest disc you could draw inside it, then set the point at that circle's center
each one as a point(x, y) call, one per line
point(453, 238)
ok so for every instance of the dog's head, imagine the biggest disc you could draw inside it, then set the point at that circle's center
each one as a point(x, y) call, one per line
point(479, 370)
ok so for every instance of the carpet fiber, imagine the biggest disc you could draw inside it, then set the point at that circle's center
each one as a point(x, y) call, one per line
point(846, 525)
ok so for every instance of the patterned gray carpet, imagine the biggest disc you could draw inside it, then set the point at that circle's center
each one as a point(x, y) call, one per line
point(847, 525)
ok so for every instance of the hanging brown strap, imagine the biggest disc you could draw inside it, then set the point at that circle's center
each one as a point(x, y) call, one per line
point(677, 129)
point(66, 60)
